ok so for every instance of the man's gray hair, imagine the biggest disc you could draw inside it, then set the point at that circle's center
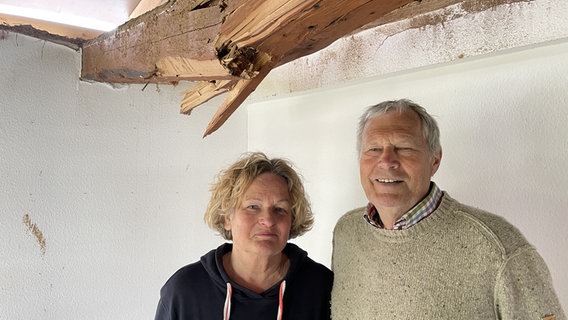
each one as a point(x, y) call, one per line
point(430, 128)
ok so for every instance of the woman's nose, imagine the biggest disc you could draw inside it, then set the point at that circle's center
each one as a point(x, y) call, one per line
point(266, 218)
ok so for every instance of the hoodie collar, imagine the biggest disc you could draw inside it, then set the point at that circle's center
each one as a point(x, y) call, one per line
point(213, 264)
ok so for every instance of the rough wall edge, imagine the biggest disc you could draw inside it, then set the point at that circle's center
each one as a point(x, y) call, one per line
point(462, 31)
point(428, 11)
point(31, 31)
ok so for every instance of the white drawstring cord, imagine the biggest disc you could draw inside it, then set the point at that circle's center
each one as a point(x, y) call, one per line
point(281, 300)
point(227, 308)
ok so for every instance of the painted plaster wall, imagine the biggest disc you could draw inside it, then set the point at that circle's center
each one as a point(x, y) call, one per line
point(504, 136)
point(414, 43)
point(102, 190)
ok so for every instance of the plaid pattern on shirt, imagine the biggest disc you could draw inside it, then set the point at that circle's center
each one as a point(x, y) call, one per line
point(420, 211)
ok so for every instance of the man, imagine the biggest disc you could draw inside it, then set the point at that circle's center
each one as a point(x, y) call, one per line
point(414, 252)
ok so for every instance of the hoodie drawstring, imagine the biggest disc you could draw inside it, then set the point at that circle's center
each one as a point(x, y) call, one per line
point(227, 308)
point(281, 300)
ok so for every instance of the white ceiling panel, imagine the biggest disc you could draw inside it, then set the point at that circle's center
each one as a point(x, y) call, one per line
point(83, 13)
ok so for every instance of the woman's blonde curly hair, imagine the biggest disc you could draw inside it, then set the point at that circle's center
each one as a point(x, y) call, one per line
point(231, 184)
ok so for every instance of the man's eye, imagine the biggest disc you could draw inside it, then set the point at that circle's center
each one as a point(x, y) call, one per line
point(373, 152)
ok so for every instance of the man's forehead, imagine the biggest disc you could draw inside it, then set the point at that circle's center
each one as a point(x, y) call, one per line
point(403, 124)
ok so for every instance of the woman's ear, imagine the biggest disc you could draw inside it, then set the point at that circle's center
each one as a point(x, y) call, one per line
point(227, 224)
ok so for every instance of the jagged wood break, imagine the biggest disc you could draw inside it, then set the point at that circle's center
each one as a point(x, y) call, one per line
point(224, 46)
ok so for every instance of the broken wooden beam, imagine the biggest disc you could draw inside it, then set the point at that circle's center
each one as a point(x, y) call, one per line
point(285, 31)
point(172, 42)
point(236, 41)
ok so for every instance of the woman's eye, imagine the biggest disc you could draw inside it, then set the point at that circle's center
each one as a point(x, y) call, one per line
point(281, 210)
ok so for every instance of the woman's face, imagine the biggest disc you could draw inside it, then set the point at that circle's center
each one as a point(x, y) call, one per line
point(260, 224)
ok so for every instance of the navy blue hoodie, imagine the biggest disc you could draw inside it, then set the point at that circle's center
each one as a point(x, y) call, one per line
point(199, 291)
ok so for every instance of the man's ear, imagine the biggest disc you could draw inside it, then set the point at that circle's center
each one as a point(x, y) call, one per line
point(437, 159)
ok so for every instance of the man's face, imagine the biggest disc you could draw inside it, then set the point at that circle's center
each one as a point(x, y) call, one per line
point(395, 162)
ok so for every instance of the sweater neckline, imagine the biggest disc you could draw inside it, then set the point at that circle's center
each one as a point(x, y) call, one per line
point(419, 230)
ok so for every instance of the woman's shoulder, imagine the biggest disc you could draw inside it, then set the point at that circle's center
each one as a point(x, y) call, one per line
point(312, 272)
point(186, 275)
point(317, 267)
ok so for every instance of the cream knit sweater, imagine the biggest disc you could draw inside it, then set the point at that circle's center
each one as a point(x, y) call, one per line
point(459, 263)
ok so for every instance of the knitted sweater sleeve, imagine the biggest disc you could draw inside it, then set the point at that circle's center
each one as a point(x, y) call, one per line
point(524, 288)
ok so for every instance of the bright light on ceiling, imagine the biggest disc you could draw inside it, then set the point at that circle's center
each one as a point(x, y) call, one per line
point(62, 18)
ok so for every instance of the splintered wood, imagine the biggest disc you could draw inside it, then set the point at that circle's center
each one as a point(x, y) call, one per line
point(204, 91)
point(225, 46)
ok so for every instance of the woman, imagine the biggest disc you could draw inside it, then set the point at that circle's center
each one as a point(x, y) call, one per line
point(258, 204)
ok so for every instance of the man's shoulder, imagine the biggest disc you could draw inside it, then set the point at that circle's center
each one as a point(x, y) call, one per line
point(495, 227)
point(484, 218)
point(351, 215)
point(351, 219)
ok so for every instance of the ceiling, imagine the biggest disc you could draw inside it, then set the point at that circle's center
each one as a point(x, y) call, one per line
point(82, 19)
point(222, 45)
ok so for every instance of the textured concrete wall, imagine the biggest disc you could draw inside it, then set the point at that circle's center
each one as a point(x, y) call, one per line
point(102, 189)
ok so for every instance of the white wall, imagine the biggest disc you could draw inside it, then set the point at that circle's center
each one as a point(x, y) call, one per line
point(504, 137)
point(116, 181)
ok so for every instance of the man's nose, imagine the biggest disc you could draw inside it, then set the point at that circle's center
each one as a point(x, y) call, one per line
point(389, 158)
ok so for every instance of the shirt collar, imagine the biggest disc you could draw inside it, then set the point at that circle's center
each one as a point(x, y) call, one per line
point(420, 211)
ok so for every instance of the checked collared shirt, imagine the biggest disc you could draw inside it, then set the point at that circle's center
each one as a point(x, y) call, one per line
point(420, 211)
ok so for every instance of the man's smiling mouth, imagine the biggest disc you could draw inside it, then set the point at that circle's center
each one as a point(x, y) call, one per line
point(387, 180)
